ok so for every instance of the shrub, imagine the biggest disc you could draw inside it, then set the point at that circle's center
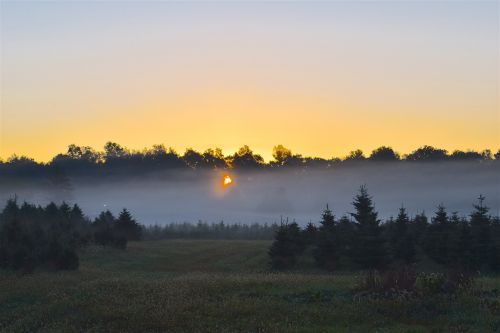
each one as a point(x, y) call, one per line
point(430, 283)
point(396, 280)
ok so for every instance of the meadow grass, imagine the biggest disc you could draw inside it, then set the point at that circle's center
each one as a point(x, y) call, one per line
point(220, 286)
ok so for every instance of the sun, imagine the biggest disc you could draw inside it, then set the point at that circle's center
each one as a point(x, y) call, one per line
point(227, 180)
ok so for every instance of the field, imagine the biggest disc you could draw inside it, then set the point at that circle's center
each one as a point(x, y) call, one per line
point(221, 286)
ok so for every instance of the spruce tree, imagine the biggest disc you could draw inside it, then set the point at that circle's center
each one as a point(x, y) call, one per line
point(401, 241)
point(127, 227)
point(482, 247)
point(310, 234)
point(464, 256)
point(345, 231)
point(438, 239)
point(287, 245)
point(418, 227)
point(369, 249)
point(103, 227)
point(326, 251)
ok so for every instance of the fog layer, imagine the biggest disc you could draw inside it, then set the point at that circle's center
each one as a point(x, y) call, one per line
point(266, 196)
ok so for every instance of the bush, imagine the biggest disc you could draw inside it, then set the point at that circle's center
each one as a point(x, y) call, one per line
point(430, 283)
point(452, 282)
point(397, 280)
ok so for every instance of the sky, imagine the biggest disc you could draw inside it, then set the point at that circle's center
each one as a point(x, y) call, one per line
point(321, 78)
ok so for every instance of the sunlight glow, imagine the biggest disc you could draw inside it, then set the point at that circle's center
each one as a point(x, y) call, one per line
point(227, 180)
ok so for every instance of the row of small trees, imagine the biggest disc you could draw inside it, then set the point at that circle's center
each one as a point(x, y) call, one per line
point(361, 241)
point(203, 230)
point(33, 236)
point(115, 158)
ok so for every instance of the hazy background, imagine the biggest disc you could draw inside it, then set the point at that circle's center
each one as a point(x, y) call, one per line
point(264, 196)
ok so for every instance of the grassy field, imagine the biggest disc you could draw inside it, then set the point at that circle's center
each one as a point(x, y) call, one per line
point(220, 286)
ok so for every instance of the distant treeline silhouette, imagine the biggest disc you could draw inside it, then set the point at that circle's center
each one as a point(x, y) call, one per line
point(116, 159)
point(361, 241)
point(203, 230)
point(33, 236)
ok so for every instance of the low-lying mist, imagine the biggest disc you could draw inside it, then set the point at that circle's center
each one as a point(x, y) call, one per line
point(266, 196)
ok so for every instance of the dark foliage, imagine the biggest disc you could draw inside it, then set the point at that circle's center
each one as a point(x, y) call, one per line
point(203, 230)
point(401, 240)
point(326, 252)
point(287, 245)
point(456, 243)
point(383, 154)
point(369, 249)
point(50, 237)
point(117, 161)
point(32, 236)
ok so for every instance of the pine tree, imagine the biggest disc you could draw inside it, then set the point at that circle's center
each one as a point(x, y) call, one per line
point(418, 227)
point(103, 227)
point(345, 236)
point(438, 241)
point(482, 247)
point(464, 258)
point(309, 234)
point(326, 251)
point(127, 226)
point(402, 243)
point(369, 249)
point(287, 245)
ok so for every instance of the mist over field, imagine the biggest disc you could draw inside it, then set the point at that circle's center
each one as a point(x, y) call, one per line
point(266, 195)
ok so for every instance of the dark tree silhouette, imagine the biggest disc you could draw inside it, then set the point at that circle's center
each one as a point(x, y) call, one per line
point(384, 154)
point(127, 227)
point(194, 159)
point(326, 251)
point(427, 153)
point(116, 161)
point(497, 156)
point(440, 237)
point(418, 227)
point(245, 158)
point(32, 236)
point(401, 240)
point(215, 158)
point(482, 247)
point(309, 234)
point(369, 248)
point(355, 155)
point(286, 247)
point(103, 229)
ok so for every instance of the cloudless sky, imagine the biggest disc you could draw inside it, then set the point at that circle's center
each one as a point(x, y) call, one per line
point(321, 78)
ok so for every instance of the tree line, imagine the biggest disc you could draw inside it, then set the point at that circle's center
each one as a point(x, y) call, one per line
point(33, 236)
point(116, 159)
point(203, 230)
point(361, 241)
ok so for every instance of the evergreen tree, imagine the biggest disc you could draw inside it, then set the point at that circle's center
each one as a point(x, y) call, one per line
point(418, 227)
point(482, 247)
point(346, 233)
point(127, 227)
point(369, 248)
point(438, 239)
point(309, 234)
point(103, 228)
point(326, 251)
point(286, 247)
point(401, 241)
point(464, 258)
point(495, 240)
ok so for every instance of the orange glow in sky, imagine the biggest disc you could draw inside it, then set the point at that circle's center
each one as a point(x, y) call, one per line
point(321, 78)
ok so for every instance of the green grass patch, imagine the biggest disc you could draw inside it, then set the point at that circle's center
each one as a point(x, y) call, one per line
point(220, 286)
